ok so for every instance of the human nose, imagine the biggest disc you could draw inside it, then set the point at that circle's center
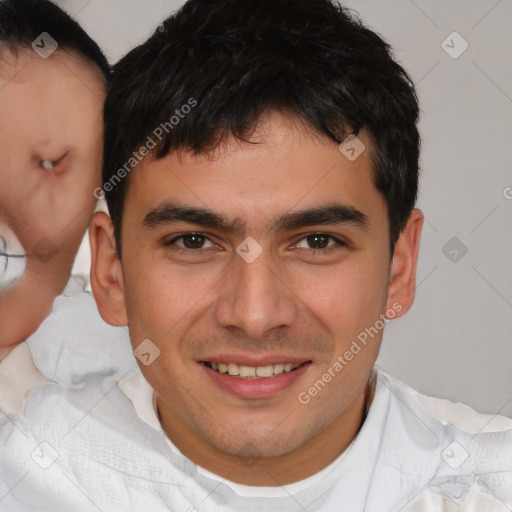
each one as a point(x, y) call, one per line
point(256, 298)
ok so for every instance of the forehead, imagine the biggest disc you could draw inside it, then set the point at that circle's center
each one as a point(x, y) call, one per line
point(26, 68)
point(285, 166)
point(63, 82)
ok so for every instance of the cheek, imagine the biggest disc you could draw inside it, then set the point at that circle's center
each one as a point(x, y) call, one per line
point(346, 297)
point(162, 299)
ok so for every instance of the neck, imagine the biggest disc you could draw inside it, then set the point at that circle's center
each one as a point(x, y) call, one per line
point(301, 463)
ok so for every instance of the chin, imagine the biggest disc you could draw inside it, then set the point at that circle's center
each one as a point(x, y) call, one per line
point(256, 445)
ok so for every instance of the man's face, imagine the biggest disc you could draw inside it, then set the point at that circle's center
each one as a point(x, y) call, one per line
point(295, 293)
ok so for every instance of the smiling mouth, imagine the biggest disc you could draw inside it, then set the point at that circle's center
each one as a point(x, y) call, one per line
point(253, 372)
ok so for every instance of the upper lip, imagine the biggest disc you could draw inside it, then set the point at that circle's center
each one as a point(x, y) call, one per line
point(248, 360)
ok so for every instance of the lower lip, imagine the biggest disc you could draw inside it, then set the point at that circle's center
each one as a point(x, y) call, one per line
point(256, 388)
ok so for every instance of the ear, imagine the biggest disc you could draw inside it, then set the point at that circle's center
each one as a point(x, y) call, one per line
point(402, 277)
point(106, 271)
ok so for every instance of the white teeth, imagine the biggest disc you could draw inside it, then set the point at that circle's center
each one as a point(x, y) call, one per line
point(242, 371)
point(278, 368)
point(265, 371)
point(247, 371)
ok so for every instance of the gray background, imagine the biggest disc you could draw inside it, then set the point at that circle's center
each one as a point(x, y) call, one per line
point(456, 341)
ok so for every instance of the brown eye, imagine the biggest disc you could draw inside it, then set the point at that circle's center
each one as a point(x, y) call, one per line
point(321, 242)
point(193, 241)
point(190, 241)
point(318, 241)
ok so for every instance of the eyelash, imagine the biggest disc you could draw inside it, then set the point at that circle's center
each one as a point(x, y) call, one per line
point(339, 243)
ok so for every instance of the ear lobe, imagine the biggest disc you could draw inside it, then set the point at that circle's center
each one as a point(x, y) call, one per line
point(106, 271)
point(402, 278)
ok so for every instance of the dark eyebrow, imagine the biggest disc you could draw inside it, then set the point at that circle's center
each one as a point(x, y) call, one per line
point(328, 214)
point(171, 213)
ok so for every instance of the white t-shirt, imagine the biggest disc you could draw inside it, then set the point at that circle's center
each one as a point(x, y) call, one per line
point(79, 432)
